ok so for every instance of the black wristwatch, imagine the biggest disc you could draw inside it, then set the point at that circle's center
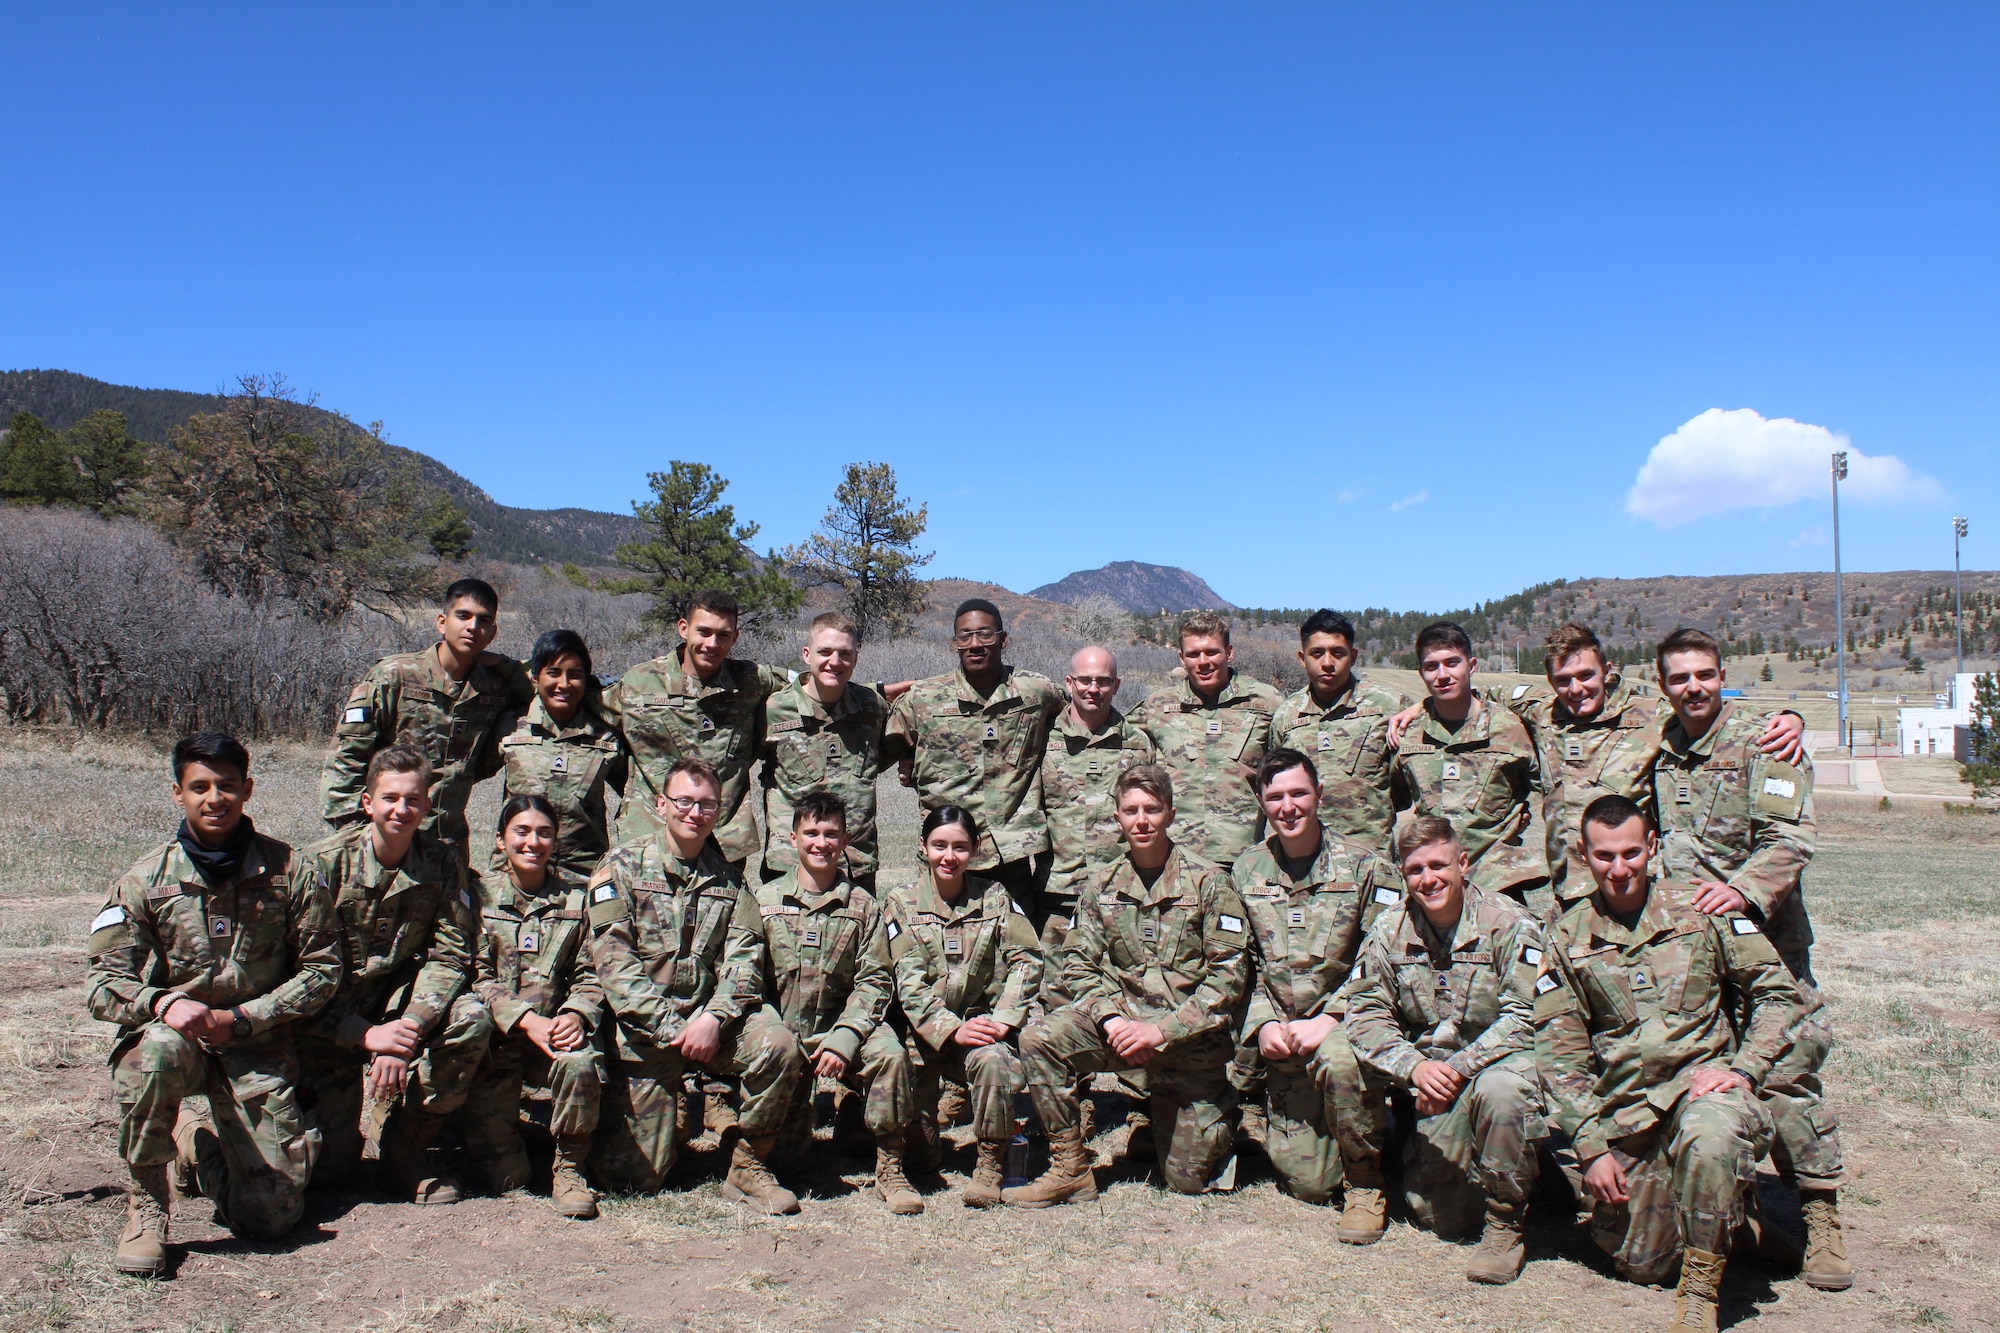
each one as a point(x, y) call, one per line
point(239, 1026)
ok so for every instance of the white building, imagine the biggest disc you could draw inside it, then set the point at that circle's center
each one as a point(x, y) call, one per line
point(1941, 730)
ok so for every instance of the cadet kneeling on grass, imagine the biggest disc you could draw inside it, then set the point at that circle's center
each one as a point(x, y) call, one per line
point(534, 974)
point(206, 952)
point(402, 1035)
point(1157, 963)
point(679, 949)
point(830, 977)
point(1637, 1009)
point(1441, 1003)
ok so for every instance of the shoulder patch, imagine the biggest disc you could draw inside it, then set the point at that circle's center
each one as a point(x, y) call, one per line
point(1531, 956)
point(465, 899)
point(1545, 983)
point(1387, 895)
point(1232, 924)
point(110, 916)
point(604, 892)
point(360, 713)
point(1016, 906)
point(894, 930)
point(1742, 925)
point(1519, 691)
point(1784, 787)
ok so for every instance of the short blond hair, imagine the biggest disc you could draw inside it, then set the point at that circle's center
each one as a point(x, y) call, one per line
point(1202, 625)
point(834, 621)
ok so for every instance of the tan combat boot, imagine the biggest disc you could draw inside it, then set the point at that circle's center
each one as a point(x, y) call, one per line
point(984, 1191)
point(569, 1192)
point(890, 1182)
point(750, 1180)
point(1364, 1212)
point(1069, 1175)
point(1700, 1289)
point(1825, 1266)
point(142, 1246)
point(407, 1163)
point(1501, 1251)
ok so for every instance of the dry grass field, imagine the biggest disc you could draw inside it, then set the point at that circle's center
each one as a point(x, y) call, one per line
point(1908, 911)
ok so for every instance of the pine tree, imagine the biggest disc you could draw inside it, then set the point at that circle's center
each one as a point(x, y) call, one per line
point(865, 547)
point(697, 544)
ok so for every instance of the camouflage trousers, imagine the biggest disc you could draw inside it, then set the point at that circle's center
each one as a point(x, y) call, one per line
point(1193, 1106)
point(440, 1078)
point(1321, 1111)
point(992, 1076)
point(880, 1072)
point(635, 1145)
point(268, 1149)
point(574, 1081)
point(1806, 1149)
point(1481, 1147)
point(1689, 1176)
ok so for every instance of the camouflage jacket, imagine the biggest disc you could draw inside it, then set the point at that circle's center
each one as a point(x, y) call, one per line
point(955, 961)
point(1212, 750)
point(406, 935)
point(1348, 741)
point(1623, 1017)
point(809, 747)
point(1078, 772)
point(1176, 954)
point(1410, 1000)
point(532, 958)
point(407, 699)
point(667, 715)
point(1479, 778)
point(670, 940)
point(570, 764)
point(829, 962)
point(1730, 812)
point(264, 941)
point(1305, 932)
point(983, 754)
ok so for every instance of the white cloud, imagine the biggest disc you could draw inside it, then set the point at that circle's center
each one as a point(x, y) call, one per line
point(1350, 495)
point(1398, 506)
point(1728, 460)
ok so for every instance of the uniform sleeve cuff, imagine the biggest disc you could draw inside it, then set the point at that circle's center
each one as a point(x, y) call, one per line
point(843, 1042)
point(351, 1030)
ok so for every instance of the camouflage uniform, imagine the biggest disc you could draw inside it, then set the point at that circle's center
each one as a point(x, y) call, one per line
point(983, 753)
point(532, 960)
point(1212, 750)
point(1468, 1002)
point(954, 962)
point(263, 942)
point(1348, 741)
point(1729, 812)
point(407, 699)
point(671, 940)
point(1079, 769)
point(406, 939)
point(1582, 759)
point(831, 979)
point(570, 765)
point(1479, 778)
point(667, 715)
point(1305, 932)
point(809, 747)
point(1176, 955)
point(1623, 1019)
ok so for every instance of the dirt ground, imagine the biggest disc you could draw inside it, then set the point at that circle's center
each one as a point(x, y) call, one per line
point(1905, 902)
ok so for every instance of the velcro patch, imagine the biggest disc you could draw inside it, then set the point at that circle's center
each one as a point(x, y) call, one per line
point(465, 899)
point(357, 715)
point(1519, 690)
point(1232, 924)
point(110, 916)
point(1545, 983)
point(1784, 787)
point(1383, 895)
point(603, 893)
point(894, 930)
point(1531, 956)
point(1016, 906)
point(1742, 925)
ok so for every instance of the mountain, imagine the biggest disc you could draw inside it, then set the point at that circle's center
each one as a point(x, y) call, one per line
point(62, 398)
point(1136, 586)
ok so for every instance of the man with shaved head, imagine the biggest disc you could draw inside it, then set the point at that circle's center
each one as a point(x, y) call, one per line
point(1089, 746)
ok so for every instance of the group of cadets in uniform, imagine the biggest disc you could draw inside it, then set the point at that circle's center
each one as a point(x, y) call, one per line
point(1305, 910)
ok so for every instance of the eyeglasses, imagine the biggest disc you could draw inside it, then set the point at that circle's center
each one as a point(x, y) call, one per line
point(1095, 682)
point(688, 805)
point(967, 637)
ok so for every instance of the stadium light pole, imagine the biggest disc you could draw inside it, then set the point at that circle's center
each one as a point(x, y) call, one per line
point(1839, 602)
point(1958, 591)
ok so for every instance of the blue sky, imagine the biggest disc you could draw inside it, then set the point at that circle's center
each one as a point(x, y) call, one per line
point(1222, 287)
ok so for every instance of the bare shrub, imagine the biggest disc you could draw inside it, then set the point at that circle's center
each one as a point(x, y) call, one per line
point(103, 625)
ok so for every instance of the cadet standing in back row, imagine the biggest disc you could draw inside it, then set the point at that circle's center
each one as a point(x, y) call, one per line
point(445, 703)
point(1342, 722)
point(1092, 744)
point(558, 749)
point(1210, 730)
